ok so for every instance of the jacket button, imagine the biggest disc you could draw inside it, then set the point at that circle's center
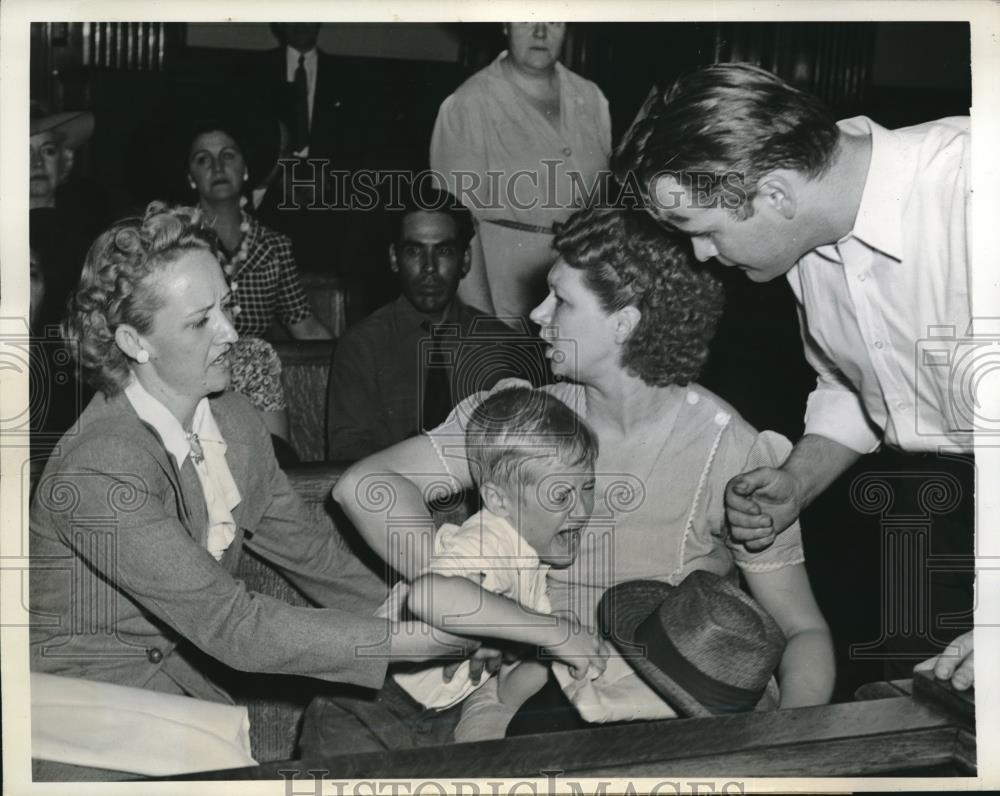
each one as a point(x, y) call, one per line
point(153, 655)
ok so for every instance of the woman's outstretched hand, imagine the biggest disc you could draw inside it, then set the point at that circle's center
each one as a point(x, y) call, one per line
point(582, 650)
point(417, 641)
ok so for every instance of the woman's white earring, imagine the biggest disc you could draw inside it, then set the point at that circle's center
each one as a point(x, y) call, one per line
point(246, 175)
point(191, 183)
point(142, 356)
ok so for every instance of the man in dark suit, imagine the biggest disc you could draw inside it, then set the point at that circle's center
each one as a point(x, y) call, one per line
point(318, 99)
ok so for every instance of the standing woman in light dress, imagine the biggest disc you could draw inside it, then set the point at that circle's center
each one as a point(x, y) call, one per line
point(518, 143)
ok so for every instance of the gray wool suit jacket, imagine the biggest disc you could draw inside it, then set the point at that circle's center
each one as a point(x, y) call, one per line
point(122, 587)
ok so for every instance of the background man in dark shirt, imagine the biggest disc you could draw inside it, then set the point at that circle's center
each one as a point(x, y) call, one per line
point(404, 367)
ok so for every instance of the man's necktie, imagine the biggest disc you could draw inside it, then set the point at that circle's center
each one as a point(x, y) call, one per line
point(301, 127)
point(437, 384)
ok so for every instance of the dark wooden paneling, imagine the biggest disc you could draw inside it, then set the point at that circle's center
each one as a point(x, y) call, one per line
point(830, 59)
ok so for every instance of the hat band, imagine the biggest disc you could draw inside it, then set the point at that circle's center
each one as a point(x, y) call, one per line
point(715, 695)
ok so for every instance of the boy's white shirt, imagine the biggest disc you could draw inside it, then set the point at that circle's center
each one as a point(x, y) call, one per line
point(488, 550)
point(619, 694)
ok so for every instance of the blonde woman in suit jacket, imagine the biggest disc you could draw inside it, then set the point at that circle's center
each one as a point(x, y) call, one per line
point(149, 502)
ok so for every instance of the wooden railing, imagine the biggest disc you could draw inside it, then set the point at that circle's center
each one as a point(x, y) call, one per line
point(921, 733)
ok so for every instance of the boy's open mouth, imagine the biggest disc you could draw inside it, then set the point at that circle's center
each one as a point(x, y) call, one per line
point(571, 534)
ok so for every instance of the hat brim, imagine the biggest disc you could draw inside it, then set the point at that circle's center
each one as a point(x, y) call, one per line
point(620, 612)
point(76, 126)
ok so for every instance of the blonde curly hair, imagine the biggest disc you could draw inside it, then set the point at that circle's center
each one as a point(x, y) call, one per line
point(116, 286)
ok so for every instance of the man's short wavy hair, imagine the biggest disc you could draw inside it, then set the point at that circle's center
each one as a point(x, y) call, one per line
point(118, 286)
point(513, 434)
point(721, 129)
point(627, 260)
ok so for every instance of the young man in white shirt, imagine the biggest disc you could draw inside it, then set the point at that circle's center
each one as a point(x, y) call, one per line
point(870, 228)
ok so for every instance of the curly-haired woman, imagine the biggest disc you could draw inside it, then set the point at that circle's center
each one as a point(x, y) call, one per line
point(167, 477)
point(627, 325)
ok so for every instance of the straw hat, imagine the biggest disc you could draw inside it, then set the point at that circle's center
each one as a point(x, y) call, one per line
point(705, 646)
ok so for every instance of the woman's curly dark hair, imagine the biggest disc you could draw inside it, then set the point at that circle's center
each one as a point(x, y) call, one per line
point(115, 287)
point(627, 260)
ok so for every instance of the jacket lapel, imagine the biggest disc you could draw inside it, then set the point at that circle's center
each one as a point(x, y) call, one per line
point(191, 494)
point(191, 508)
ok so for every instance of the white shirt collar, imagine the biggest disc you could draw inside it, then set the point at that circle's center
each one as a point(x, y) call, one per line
point(292, 61)
point(560, 69)
point(175, 439)
point(878, 223)
point(526, 550)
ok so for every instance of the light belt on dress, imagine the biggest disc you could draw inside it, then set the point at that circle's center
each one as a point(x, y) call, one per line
point(520, 226)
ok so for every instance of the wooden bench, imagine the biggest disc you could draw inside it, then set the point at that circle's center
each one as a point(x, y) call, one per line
point(305, 374)
point(328, 298)
point(330, 301)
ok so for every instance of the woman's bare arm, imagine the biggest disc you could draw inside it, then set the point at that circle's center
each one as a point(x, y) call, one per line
point(385, 496)
point(807, 670)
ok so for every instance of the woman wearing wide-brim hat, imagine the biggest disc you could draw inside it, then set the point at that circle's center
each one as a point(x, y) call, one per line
point(55, 138)
point(74, 207)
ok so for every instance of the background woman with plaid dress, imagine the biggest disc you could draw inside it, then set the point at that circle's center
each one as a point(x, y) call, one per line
point(261, 269)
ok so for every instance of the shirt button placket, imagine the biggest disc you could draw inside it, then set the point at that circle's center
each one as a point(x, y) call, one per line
point(882, 358)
